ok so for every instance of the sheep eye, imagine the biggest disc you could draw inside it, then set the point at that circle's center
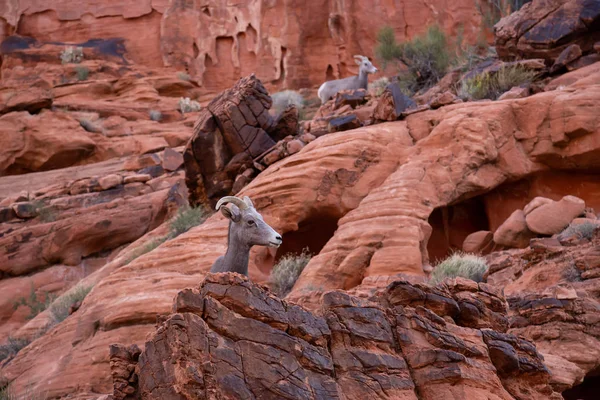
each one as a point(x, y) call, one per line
point(251, 222)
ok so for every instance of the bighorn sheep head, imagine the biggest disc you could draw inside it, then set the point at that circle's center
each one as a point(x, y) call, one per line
point(365, 64)
point(247, 226)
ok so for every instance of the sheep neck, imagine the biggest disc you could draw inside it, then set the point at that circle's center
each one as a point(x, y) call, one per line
point(363, 78)
point(238, 253)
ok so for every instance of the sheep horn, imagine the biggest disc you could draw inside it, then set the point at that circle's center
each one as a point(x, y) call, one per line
point(360, 57)
point(232, 199)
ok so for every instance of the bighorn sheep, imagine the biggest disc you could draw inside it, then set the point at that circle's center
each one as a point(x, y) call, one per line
point(246, 229)
point(330, 88)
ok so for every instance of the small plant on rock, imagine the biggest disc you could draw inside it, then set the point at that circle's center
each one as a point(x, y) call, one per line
point(45, 212)
point(490, 85)
point(426, 56)
point(463, 265)
point(378, 87)
point(145, 248)
point(286, 272)
point(281, 100)
point(72, 55)
point(155, 115)
point(12, 347)
point(82, 73)
point(35, 303)
point(585, 230)
point(187, 105)
point(571, 273)
point(59, 309)
point(186, 219)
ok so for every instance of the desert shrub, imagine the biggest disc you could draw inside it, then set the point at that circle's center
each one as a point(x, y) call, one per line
point(45, 212)
point(571, 273)
point(155, 115)
point(35, 303)
point(82, 73)
point(286, 272)
point(59, 309)
point(426, 56)
point(186, 219)
point(183, 76)
point(582, 231)
point(463, 265)
point(187, 105)
point(497, 9)
point(72, 55)
point(12, 347)
point(378, 87)
point(490, 85)
point(146, 248)
point(281, 100)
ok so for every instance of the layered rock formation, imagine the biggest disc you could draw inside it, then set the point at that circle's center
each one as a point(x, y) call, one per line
point(233, 339)
point(287, 44)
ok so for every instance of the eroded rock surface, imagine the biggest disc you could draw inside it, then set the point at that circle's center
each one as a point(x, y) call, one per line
point(231, 338)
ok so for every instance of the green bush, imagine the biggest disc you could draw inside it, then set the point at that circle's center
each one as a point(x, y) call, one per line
point(36, 304)
point(59, 309)
point(426, 56)
point(281, 100)
point(585, 230)
point(12, 347)
point(186, 219)
point(286, 272)
point(463, 265)
point(44, 211)
point(82, 73)
point(490, 85)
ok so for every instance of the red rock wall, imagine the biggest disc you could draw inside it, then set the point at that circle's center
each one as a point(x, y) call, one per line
point(287, 43)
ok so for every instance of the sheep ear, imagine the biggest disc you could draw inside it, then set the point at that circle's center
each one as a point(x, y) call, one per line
point(357, 61)
point(232, 213)
point(248, 201)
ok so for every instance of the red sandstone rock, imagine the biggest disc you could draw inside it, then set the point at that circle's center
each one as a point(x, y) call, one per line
point(479, 242)
point(553, 217)
point(514, 232)
point(172, 160)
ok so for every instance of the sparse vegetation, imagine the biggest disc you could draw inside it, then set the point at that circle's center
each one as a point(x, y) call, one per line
point(490, 85)
point(72, 55)
point(584, 230)
point(571, 273)
point(146, 248)
point(187, 105)
point(463, 265)
point(286, 272)
point(155, 115)
point(45, 212)
point(426, 56)
point(499, 9)
point(35, 303)
point(378, 87)
point(82, 73)
point(11, 348)
point(186, 219)
point(59, 309)
point(6, 393)
point(281, 100)
point(183, 76)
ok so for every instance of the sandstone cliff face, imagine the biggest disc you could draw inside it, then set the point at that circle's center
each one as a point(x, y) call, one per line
point(287, 43)
point(232, 339)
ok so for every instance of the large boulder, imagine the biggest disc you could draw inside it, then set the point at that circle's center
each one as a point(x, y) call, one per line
point(229, 133)
point(553, 217)
point(514, 231)
point(544, 28)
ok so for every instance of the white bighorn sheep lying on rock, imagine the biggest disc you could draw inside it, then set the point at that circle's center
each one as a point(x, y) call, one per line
point(246, 229)
point(360, 81)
